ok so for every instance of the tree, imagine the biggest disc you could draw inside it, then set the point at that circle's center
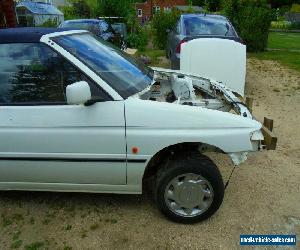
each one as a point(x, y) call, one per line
point(119, 8)
point(252, 19)
point(81, 9)
point(280, 3)
point(210, 5)
point(213, 5)
point(161, 22)
point(97, 8)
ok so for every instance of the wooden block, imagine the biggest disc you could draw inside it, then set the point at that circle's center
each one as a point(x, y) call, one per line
point(269, 138)
point(268, 123)
point(249, 103)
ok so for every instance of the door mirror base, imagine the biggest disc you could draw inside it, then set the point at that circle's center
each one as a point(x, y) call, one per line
point(93, 101)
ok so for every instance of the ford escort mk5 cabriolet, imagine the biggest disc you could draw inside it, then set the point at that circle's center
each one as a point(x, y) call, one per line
point(78, 115)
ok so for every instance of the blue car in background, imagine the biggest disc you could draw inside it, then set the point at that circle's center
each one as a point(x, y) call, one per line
point(193, 26)
point(98, 27)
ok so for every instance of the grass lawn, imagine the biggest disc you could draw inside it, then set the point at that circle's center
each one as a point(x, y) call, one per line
point(156, 57)
point(277, 40)
point(290, 59)
point(284, 41)
point(287, 45)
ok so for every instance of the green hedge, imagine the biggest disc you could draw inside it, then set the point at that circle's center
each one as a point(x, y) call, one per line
point(252, 19)
point(138, 39)
point(295, 8)
point(160, 23)
point(285, 25)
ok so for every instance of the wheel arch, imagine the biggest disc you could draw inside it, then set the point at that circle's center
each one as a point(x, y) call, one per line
point(165, 154)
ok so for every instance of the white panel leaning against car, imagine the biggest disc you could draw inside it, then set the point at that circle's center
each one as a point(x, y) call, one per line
point(220, 59)
point(80, 116)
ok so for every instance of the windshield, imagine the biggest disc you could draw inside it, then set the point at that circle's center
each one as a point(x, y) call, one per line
point(117, 69)
point(206, 25)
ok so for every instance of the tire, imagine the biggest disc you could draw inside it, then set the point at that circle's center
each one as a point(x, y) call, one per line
point(186, 181)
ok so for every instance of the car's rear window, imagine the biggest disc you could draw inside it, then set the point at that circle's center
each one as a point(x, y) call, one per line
point(207, 25)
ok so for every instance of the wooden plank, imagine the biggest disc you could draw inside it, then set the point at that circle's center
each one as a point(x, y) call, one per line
point(270, 140)
point(268, 123)
point(249, 103)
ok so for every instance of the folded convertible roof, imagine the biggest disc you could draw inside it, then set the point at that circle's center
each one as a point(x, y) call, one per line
point(26, 35)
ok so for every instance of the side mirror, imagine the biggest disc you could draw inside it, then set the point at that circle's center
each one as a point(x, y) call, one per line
point(78, 93)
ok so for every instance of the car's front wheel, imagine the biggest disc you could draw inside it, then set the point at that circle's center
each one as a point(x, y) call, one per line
point(189, 189)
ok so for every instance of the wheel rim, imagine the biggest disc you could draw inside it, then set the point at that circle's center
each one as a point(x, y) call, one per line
point(189, 195)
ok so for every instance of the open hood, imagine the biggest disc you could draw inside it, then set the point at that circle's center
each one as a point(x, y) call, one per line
point(219, 59)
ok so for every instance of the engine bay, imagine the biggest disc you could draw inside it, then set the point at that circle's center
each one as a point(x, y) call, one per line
point(185, 90)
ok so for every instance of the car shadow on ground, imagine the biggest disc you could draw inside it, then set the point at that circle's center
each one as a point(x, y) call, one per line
point(62, 198)
point(71, 201)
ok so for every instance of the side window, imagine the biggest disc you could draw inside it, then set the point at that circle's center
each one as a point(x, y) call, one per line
point(32, 73)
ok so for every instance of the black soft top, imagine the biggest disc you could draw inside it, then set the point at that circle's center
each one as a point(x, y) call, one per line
point(26, 35)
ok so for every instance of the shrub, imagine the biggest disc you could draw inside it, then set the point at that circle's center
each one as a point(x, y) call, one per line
point(138, 39)
point(280, 25)
point(254, 27)
point(69, 12)
point(96, 8)
point(285, 25)
point(252, 20)
point(161, 22)
point(295, 8)
point(79, 9)
point(295, 26)
point(282, 11)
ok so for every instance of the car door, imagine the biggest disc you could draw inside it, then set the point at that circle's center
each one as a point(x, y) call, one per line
point(44, 140)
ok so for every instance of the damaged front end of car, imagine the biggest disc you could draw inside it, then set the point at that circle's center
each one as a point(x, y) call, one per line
point(185, 89)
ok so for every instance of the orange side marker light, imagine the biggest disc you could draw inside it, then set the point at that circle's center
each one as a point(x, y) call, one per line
point(135, 150)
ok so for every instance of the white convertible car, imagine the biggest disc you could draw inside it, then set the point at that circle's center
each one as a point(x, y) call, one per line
point(79, 115)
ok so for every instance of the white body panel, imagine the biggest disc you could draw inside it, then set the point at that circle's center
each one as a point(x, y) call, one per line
point(219, 59)
point(90, 141)
point(163, 124)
